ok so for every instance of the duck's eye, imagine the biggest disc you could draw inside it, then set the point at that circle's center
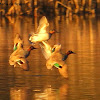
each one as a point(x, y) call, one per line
point(60, 66)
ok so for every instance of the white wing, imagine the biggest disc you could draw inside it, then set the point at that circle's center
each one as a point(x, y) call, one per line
point(43, 26)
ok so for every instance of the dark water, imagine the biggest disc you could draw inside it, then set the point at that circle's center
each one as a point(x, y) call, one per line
point(79, 34)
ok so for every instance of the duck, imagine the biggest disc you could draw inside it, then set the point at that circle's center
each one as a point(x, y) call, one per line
point(55, 60)
point(58, 60)
point(42, 33)
point(17, 41)
point(18, 57)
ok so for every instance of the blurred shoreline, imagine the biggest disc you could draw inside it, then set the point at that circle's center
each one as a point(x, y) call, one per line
point(48, 7)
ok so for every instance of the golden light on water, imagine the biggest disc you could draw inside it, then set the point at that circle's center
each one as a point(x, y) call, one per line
point(79, 34)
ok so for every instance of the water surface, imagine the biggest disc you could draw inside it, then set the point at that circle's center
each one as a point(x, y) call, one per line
point(79, 34)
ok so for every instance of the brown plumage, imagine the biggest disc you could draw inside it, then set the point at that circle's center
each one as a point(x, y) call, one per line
point(55, 60)
point(18, 57)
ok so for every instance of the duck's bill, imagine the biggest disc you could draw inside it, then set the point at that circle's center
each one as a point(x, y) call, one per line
point(56, 31)
point(32, 47)
point(30, 42)
point(73, 52)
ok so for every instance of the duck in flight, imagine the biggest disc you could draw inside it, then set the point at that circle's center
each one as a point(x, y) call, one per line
point(42, 33)
point(19, 55)
point(55, 58)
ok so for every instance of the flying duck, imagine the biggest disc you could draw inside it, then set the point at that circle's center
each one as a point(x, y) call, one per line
point(42, 33)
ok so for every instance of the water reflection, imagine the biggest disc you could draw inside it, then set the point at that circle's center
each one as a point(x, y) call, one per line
point(47, 93)
point(79, 34)
point(23, 93)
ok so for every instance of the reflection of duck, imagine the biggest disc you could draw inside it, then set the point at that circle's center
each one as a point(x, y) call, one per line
point(19, 56)
point(42, 33)
point(51, 92)
point(63, 92)
point(17, 42)
point(20, 93)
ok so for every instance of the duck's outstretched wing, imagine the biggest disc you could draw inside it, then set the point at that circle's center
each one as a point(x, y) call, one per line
point(17, 38)
point(44, 52)
point(46, 49)
point(17, 41)
point(43, 26)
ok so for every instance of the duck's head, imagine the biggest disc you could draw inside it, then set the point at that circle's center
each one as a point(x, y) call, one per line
point(32, 47)
point(52, 31)
point(70, 52)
